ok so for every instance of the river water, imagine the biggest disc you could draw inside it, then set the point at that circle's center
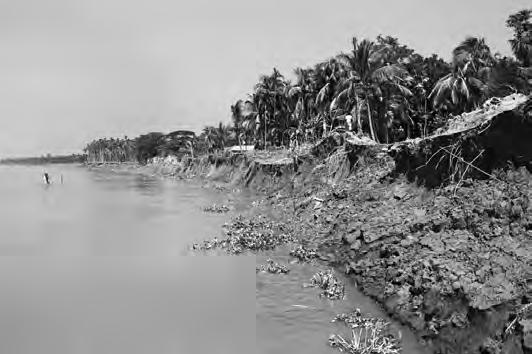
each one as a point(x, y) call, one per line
point(100, 264)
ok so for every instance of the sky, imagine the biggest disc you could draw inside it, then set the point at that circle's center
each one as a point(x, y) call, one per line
point(75, 70)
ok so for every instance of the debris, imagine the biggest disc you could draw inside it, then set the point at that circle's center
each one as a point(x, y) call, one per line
point(272, 267)
point(304, 254)
point(367, 335)
point(332, 287)
point(254, 234)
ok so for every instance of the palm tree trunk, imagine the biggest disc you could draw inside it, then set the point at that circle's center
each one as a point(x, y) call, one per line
point(425, 117)
point(370, 121)
point(265, 129)
point(357, 114)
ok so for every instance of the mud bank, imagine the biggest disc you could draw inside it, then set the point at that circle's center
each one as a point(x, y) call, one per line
point(452, 263)
point(444, 250)
point(454, 266)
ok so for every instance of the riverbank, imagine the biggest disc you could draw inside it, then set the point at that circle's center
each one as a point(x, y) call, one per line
point(450, 260)
point(452, 263)
point(453, 266)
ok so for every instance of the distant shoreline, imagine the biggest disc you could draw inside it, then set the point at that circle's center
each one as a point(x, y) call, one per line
point(44, 160)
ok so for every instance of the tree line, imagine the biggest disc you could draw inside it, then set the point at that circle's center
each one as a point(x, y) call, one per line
point(382, 89)
point(385, 89)
point(141, 148)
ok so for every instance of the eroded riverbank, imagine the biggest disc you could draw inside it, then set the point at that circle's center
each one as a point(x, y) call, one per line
point(451, 263)
point(289, 316)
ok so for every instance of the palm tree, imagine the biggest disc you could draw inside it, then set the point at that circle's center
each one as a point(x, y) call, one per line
point(269, 95)
point(301, 94)
point(367, 77)
point(209, 135)
point(222, 135)
point(238, 118)
point(464, 87)
point(473, 51)
point(507, 77)
point(522, 42)
point(301, 100)
point(250, 118)
point(326, 77)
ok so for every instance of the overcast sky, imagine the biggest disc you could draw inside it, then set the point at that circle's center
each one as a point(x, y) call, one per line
point(74, 70)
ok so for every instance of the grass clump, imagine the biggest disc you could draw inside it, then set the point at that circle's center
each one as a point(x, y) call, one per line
point(253, 234)
point(367, 335)
point(304, 254)
point(272, 267)
point(332, 287)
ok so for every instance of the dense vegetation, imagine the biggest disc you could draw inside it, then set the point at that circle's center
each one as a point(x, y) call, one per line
point(380, 88)
point(141, 148)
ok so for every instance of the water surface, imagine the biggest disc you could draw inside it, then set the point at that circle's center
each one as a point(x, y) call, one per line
point(100, 264)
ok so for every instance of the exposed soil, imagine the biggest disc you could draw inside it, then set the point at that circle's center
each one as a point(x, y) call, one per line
point(452, 264)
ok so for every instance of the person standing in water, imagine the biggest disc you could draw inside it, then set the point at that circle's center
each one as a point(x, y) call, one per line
point(46, 178)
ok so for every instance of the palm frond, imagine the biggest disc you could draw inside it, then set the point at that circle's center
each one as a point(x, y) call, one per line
point(463, 89)
point(294, 91)
point(391, 73)
point(403, 90)
point(440, 90)
point(322, 94)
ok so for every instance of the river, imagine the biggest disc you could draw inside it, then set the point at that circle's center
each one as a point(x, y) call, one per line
point(100, 264)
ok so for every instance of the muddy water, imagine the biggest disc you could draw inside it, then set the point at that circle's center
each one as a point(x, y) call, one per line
point(293, 319)
point(99, 264)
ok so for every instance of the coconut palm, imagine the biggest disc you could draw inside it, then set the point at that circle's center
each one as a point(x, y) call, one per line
point(269, 99)
point(369, 77)
point(251, 118)
point(327, 75)
point(301, 94)
point(522, 42)
point(237, 116)
point(465, 87)
point(473, 51)
point(507, 77)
